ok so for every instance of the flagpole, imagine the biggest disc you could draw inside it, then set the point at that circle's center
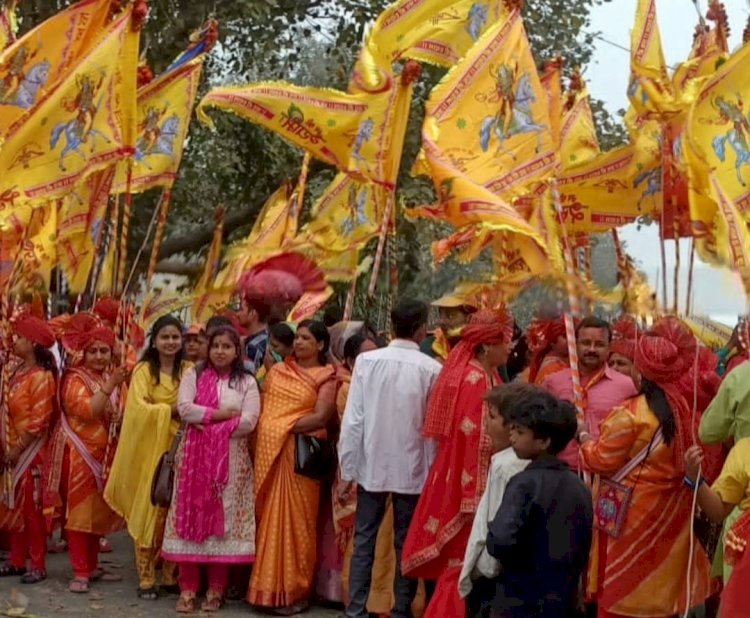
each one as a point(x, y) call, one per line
point(166, 198)
point(691, 266)
point(151, 224)
point(384, 225)
point(676, 301)
point(126, 214)
point(112, 237)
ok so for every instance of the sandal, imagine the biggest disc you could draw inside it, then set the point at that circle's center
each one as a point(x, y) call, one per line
point(148, 594)
point(34, 576)
point(186, 604)
point(213, 603)
point(79, 585)
point(10, 570)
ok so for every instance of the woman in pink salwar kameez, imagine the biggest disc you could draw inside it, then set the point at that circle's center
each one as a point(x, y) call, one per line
point(211, 521)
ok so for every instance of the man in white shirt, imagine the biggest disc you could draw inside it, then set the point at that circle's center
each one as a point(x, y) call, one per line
point(382, 448)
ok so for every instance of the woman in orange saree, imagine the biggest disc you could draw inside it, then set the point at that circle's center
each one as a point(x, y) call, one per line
point(88, 398)
point(436, 543)
point(299, 397)
point(30, 410)
point(640, 569)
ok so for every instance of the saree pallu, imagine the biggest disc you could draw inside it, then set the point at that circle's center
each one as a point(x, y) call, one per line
point(642, 572)
point(436, 543)
point(75, 476)
point(287, 503)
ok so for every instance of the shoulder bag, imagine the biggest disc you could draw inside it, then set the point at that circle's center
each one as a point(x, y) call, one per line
point(613, 499)
point(162, 484)
point(314, 457)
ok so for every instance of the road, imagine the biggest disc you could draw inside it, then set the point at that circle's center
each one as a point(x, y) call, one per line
point(118, 600)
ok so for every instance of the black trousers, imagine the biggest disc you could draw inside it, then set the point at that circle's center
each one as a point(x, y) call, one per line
point(370, 511)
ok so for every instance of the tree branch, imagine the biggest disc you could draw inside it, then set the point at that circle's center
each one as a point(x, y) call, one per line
point(195, 239)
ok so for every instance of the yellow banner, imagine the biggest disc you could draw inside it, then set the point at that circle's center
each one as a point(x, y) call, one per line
point(551, 80)
point(87, 124)
point(650, 89)
point(8, 24)
point(158, 303)
point(12, 236)
point(33, 66)
point(732, 234)
point(79, 227)
point(713, 334)
point(165, 107)
point(579, 143)
point(38, 255)
point(348, 131)
point(433, 31)
point(488, 118)
point(308, 305)
point(346, 216)
point(717, 140)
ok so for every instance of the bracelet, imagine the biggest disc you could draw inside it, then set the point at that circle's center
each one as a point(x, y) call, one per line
point(691, 484)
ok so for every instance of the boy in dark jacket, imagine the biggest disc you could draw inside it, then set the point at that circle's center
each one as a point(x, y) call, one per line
point(542, 532)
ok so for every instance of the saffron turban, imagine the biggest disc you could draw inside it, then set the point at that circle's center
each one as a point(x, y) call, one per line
point(35, 330)
point(485, 327)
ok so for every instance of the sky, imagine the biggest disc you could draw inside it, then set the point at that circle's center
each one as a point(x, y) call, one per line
point(717, 293)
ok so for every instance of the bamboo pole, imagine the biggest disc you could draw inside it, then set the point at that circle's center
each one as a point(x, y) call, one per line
point(691, 266)
point(151, 223)
point(383, 235)
point(165, 200)
point(126, 215)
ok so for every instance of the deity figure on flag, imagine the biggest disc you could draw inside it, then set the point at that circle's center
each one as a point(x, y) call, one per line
point(19, 86)
point(738, 136)
point(157, 138)
point(357, 202)
point(476, 19)
point(514, 95)
point(78, 130)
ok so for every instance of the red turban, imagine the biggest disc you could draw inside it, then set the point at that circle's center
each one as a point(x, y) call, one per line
point(541, 337)
point(663, 356)
point(107, 309)
point(623, 347)
point(35, 330)
point(84, 329)
point(484, 327)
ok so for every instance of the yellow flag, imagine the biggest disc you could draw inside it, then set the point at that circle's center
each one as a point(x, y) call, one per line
point(578, 140)
point(12, 236)
point(8, 24)
point(348, 131)
point(160, 302)
point(488, 118)
point(79, 227)
point(214, 254)
point(87, 124)
point(650, 89)
point(165, 106)
point(434, 31)
point(718, 141)
point(551, 80)
point(33, 66)
point(309, 304)
point(713, 334)
point(347, 215)
point(38, 256)
point(733, 235)
point(266, 237)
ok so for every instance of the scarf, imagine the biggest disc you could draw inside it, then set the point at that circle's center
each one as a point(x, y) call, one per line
point(484, 327)
point(204, 472)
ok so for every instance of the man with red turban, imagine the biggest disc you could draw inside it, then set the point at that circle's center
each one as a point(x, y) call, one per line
point(30, 414)
point(436, 543)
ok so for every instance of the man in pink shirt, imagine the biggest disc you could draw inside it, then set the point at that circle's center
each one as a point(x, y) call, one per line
point(603, 388)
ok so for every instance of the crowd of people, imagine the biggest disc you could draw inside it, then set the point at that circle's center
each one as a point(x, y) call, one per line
point(470, 472)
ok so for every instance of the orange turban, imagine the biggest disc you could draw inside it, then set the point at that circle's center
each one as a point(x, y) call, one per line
point(35, 330)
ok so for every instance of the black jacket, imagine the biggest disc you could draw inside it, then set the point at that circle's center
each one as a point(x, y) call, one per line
point(542, 536)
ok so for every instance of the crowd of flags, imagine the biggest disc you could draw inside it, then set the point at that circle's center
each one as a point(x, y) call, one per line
point(512, 151)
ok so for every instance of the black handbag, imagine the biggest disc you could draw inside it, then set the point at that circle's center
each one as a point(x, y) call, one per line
point(162, 484)
point(314, 458)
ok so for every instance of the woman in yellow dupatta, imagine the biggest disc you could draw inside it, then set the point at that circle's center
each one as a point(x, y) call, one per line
point(149, 427)
point(299, 398)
